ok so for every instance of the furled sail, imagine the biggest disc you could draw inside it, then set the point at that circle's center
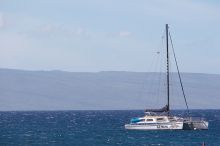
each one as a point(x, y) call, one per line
point(164, 109)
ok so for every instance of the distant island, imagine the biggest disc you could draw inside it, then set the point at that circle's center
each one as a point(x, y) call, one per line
point(107, 90)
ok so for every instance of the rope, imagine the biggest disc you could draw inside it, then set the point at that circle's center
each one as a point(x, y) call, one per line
point(179, 75)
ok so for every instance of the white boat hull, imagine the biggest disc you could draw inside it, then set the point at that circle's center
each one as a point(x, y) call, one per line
point(156, 126)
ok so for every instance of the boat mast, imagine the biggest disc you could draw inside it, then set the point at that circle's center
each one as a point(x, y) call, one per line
point(168, 80)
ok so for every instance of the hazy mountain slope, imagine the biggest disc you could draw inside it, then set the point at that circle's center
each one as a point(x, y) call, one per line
point(55, 90)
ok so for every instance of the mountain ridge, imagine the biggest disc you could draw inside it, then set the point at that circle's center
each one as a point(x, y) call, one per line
point(104, 90)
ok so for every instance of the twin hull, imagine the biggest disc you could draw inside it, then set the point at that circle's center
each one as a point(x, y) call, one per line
point(156, 126)
point(195, 125)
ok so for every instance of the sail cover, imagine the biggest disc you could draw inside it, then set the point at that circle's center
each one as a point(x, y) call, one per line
point(164, 109)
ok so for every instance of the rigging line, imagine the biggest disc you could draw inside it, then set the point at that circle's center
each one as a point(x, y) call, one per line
point(163, 85)
point(153, 90)
point(179, 74)
point(160, 70)
point(147, 78)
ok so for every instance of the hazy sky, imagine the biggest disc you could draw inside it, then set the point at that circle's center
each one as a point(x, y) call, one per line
point(97, 35)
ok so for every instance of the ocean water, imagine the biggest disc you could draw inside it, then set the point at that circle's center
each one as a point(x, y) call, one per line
point(97, 128)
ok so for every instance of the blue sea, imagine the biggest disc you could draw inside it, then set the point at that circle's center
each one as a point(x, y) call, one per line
point(98, 128)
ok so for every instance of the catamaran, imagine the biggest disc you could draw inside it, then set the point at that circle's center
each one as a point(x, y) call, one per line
point(154, 121)
point(161, 119)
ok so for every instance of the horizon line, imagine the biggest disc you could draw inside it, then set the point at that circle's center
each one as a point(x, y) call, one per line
point(60, 70)
point(54, 110)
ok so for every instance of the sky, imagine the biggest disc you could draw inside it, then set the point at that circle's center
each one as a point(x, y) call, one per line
point(107, 35)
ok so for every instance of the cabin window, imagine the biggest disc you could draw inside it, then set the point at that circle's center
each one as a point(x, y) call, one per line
point(149, 120)
point(172, 119)
point(160, 119)
point(142, 120)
